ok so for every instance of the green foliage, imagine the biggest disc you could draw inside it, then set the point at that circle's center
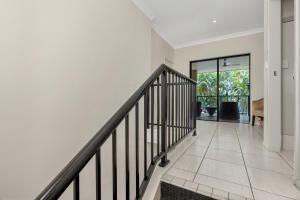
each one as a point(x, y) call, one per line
point(234, 83)
point(207, 88)
point(233, 86)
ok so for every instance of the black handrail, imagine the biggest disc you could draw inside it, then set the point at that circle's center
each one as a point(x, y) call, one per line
point(71, 172)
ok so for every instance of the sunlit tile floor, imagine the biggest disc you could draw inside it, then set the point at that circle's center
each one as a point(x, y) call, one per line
point(229, 161)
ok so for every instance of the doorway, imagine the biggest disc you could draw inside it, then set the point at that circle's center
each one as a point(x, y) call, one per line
point(223, 88)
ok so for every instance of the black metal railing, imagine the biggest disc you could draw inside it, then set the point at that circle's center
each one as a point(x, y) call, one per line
point(243, 100)
point(172, 113)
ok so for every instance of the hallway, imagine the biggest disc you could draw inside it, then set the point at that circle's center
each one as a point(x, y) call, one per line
point(228, 161)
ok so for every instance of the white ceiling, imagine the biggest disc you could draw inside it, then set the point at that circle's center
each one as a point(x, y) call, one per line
point(189, 22)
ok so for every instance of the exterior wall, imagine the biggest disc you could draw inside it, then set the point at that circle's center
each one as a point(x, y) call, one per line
point(65, 68)
point(161, 51)
point(252, 44)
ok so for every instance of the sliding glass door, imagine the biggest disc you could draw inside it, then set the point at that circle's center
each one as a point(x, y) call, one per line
point(223, 88)
point(206, 74)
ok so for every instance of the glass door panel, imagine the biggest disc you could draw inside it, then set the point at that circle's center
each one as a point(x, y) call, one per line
point(234, 89)
point(206, 74)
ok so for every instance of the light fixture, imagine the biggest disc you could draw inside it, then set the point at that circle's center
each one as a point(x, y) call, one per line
point(214, 21)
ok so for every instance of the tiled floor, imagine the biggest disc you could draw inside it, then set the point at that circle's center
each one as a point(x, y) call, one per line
point(228, 161)
point(288, 156)
point(244, 118)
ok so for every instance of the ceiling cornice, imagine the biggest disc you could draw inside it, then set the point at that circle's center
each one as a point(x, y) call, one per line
point(150, 15)
point(162, 35)
point(219, 38)
point(145, 9)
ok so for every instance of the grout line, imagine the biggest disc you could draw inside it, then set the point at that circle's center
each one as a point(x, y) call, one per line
point(263, 156)
point(220, 179)
point(223, 189)
point(275, 194)
point(268, 170)
point(235, 129)
point(285, 160)
point(213, 135)
point(222, 149)
point(208, 158)
point(172, 166)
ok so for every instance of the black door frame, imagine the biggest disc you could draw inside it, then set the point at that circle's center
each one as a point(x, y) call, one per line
point(218, 70)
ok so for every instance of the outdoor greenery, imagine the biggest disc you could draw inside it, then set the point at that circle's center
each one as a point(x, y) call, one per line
point(233, 86)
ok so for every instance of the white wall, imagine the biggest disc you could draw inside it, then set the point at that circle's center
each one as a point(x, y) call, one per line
point(272, 75)
point(252, 44)
point(297, 108)
point(288, 73)
point(65, 67)
point(161, 51)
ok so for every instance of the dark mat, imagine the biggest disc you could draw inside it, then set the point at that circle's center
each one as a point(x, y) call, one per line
point(172, 192)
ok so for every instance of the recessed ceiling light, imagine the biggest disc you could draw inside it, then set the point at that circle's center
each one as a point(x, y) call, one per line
point(214, 21)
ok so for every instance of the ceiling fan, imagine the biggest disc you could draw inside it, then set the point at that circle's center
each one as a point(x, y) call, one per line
point(229, 64)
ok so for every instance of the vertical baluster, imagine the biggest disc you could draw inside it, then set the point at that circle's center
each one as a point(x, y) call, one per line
point(158, 115)
point(148, 108)
point(127, 168)
point(164, 160)
point(184, 100)
point(76, 195)
point(145, 131)
point(152, 122)
point(181, 108)
point(195, 109)
point(189, 105)
point(193, 105)
point(169, 109)
point(186, 107)
point(190, 119)
point(176, 107)
point(114, 164)
point(98, 174)
point(137, 175)
point(173, 133)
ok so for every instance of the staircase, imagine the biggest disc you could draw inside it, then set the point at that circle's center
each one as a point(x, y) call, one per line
point(166, 102)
